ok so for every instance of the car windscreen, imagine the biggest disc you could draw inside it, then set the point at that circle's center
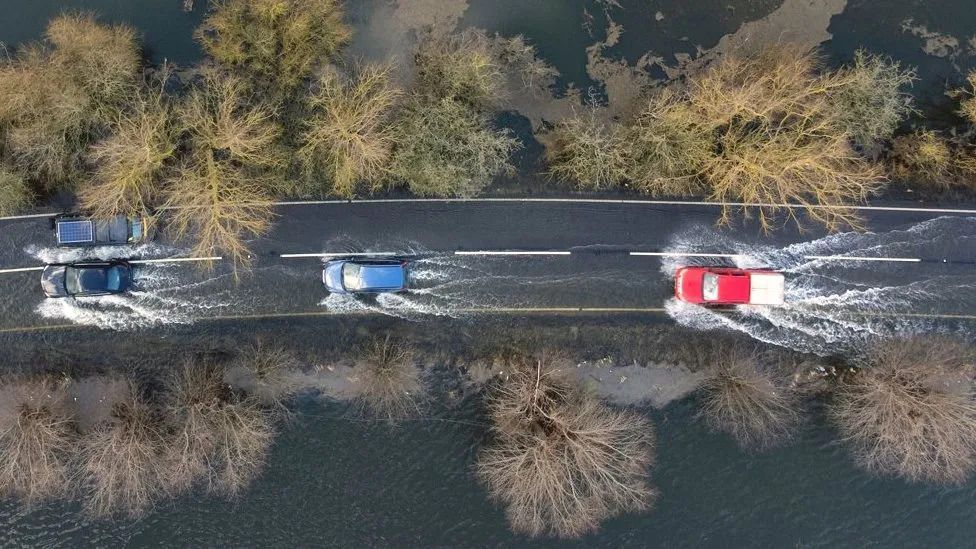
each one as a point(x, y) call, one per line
point(350, 276)
point(114, 279)
point(710, 286)
point(71, 280)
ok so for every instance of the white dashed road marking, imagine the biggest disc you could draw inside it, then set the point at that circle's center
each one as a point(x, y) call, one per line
point(175, 260)
point(688, 254)
point(509, 252)
point(861, 258)
point(21, 270)
point(341, 254)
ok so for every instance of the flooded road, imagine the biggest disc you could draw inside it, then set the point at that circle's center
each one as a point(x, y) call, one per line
point(905, 274)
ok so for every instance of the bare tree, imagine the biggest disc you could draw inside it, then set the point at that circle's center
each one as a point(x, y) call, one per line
point(276, 44)
point(560, 460)
point(56, 97)
point(221, 195)
point(348, 136)
point(129, 163)
point(910, 412)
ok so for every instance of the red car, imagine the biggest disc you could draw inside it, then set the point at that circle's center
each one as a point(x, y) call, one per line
point(728, 286)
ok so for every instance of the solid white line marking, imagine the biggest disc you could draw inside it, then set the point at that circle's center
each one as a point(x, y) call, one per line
point(509, 252)
point(861, 258)
point(176, 260)
point(687, 254)
point(630, 201)
point(21, 270)
point(955, 211)
point(31, 216)
point(364, 254)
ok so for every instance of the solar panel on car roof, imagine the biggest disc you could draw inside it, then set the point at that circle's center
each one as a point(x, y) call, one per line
point(74, 231)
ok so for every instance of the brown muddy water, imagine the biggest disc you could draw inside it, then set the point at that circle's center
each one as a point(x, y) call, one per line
point(336, 480)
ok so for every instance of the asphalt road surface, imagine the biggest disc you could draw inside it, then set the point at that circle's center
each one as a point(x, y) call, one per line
point(912, 270)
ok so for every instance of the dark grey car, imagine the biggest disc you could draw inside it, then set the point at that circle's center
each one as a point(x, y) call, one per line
point(78, 231)
point(86, 279)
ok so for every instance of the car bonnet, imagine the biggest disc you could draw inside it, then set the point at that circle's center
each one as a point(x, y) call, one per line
point(52, 280)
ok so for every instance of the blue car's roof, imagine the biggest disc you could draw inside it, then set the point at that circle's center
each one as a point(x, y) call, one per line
point(381, 276)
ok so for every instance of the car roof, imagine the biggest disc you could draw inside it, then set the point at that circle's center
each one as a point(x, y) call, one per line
point(385, 275)
point(93, 278)
point(733, 287)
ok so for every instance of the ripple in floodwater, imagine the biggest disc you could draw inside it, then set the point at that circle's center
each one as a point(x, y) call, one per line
point(822, 296)
point(160, 295)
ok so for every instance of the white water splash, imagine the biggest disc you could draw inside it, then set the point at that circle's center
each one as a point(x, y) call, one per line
point(160, 295)
point(826, 301)
point(147, 250)
point(459, 286)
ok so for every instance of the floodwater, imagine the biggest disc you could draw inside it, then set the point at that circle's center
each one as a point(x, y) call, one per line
point(336, 480)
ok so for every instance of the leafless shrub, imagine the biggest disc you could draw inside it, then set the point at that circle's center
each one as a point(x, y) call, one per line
point(262, 370)
point(448, 148)
point(120, 470)
point(870, 101)
point(967, 107)
point(587, 151)
point(516, 54)
point(560, 460)
point(389, 380)
point(36, 438)
point(221, 437)
point(910, 412)
point(348, 137)
point(221, 194)
point(463, 67)
point(747, 400)
point(129, 163)
point(922, 157)
point(666, 147)
point(277, 43)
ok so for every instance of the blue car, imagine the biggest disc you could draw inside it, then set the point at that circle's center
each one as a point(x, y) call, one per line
point(368, 276)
